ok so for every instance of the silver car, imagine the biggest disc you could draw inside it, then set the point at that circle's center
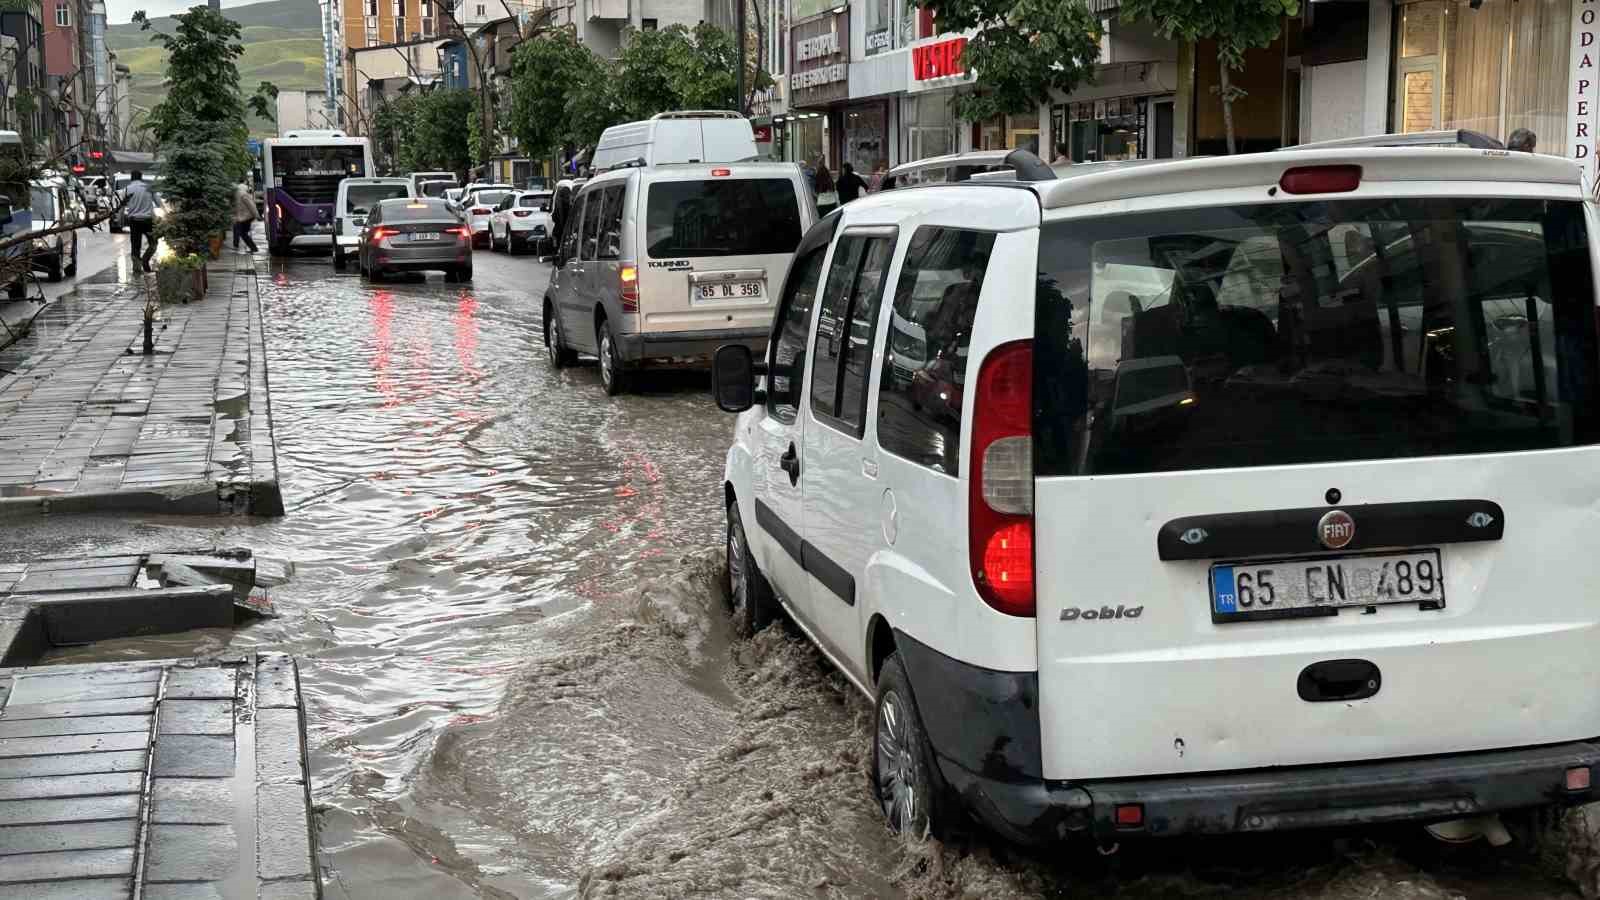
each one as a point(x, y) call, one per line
point(415, 235)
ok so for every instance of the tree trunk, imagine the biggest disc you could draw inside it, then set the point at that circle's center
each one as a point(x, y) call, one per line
point(1227, 109)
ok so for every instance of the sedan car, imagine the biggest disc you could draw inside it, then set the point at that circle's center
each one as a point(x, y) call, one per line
point(415, 235)
point(521, 219)
point(476, 206)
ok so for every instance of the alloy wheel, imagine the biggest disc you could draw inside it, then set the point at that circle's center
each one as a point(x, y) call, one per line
point(896, 766)
point(606, 364)
point(738, 576)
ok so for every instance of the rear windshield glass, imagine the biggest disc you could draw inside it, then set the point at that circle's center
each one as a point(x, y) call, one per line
point(1314, 332)
point(424, 210)
point(488, 198)
point(722, 217)
point(363, 196)
point(533, 201)
point(435, 188)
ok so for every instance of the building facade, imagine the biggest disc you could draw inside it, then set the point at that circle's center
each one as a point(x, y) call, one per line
point(599, 24)
point(69, 72)
point(24, 72)
point(300, 110)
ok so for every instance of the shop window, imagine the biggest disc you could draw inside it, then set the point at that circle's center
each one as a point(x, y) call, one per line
point(879, 26)
point(1483, 67)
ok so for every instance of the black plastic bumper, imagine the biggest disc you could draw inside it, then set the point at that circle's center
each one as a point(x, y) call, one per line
point(698, 345)
point(984, 728)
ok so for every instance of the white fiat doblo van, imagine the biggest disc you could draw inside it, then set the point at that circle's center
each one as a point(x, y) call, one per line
point(1221, 495)
point(661, 263)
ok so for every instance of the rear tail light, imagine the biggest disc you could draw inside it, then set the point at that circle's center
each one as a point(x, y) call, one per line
point(480, 210)
point(379, 234)
point(462, 230)
point(629, 276)
point(1129, 815)
point(519, 213)
point(1000, 496)
point(1320, 179)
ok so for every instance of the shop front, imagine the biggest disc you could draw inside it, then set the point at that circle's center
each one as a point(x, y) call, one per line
point(1128, 113)
point(928, 123)
point(819, 85)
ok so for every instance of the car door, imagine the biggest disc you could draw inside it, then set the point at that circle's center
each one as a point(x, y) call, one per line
point(778, 475)
point(502, 216)
point(570, 292)
point(842, 497)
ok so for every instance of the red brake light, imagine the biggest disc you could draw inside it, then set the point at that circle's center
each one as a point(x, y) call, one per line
point(1320, 179)
point(380, 233)
point(480, 210)
point(1000, 492)
point(1129, 815)
point(1578, 778)
point(721, 173)
point(462, 230)
point(629, 275)
point(519, 213)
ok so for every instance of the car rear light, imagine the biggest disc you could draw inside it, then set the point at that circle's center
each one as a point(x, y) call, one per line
point(379, 234)
point(462, 230)
point(721, 173)
point(1578, 778)
point(1000, 496)
point(629, 276)
point(1320, 179)
point(480, 210)
point(1129, 815)
point(519, 213)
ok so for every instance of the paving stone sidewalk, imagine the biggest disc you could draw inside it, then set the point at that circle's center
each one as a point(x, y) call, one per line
point(89, 423)
point(158, 780)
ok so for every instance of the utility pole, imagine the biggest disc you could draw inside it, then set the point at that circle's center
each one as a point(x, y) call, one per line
point(738, 28)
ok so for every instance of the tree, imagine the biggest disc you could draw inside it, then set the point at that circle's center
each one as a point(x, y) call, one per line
point(1023, 49)
point(437, 139)
point(545, 75)
point(1236, 25)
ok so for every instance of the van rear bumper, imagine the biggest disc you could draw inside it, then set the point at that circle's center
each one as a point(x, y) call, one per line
point(645, 346)
point(984, 730)
point(1415, 790)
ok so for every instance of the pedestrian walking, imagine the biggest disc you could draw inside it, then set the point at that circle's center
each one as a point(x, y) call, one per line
point(1522, 141)
point(827, 194)
point(879, 172)
point(1063, 155)
point(139, 208)
point(850, 185)
point(244, 215)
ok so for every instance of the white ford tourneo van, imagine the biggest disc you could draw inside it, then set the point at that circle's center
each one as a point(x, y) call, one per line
point(659, 266)
point(1220, 495)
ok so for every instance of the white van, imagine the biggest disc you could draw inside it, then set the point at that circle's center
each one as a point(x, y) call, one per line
point(417, 178)
point(660, 265)
point(1219, 495)
point(357, 198)
point(676, 137)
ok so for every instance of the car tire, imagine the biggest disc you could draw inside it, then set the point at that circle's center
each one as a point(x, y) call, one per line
point(512, 247)
point(71, 269)
point(338, 259)
point(750, 598)
point(905, 779)
point(115, 228)
point(52, 271)
point(464, 273)
point(561, 356)
point(613, 377)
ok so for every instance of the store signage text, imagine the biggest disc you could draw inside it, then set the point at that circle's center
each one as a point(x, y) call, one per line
point(878, 40)
point(938, 60)
point(1584, 83)
point(819, 76)
point(817, 47)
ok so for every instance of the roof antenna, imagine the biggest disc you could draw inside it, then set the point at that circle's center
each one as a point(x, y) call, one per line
point(1028, 166)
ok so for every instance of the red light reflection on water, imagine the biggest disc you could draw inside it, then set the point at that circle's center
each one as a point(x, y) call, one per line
point(382, 305)
point(465, 321)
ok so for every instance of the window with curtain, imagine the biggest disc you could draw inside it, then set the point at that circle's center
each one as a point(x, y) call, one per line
point(1492, 69)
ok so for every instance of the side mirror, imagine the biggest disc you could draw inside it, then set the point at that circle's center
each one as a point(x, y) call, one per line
point(544, 207)
point(733, 378)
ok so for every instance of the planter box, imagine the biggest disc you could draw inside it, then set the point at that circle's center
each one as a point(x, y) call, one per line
point(176, 284)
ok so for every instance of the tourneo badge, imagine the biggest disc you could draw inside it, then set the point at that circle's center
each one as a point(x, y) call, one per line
point(1336, 529)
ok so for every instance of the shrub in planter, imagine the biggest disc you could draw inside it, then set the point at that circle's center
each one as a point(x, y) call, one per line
point(181, 278)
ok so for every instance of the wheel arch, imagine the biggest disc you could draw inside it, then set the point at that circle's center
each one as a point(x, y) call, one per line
point(880, 644)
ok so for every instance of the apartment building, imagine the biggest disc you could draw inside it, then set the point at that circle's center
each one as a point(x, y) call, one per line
point(599, 24)
point(23, 70)
point(69, 71)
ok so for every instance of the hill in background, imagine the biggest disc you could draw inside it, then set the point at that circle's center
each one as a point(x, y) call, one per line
point(282, 44)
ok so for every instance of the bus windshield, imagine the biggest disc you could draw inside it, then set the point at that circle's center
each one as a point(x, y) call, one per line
point(311, 174)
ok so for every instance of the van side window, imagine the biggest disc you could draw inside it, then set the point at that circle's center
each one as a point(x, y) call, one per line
point(841, 357)
point(569, 241)
point(591, 225)
point(788, 360)
point(611, 222)
point(925, 366)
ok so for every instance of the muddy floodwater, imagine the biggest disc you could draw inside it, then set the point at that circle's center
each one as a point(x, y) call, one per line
point(521, 680)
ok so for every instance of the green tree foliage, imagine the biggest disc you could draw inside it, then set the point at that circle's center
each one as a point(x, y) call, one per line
point(423, 132)
point(563, 94)
point(1022, 50)
point(393, 124)
point(200, 125)
point(1236, 25)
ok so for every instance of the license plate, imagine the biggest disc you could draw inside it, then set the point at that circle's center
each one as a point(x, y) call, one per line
point(1321, 586)
point(731, 290)
point(425, 235)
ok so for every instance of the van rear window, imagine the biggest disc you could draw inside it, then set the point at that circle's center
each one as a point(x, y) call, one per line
point(1314, 332)
point(722, 217)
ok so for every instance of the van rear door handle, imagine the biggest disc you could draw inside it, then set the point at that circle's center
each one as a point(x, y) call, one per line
point(790, 462)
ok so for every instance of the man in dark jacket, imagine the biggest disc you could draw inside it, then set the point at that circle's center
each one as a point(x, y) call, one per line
point(850, 185)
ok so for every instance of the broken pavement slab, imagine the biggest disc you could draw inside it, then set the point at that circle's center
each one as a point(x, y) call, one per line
point(66, 601)
point(210, 815)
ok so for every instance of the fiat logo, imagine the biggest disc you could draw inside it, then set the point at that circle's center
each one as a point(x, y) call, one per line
point(1336, 529)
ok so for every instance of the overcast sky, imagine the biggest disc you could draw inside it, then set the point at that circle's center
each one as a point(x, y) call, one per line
point(119, 12)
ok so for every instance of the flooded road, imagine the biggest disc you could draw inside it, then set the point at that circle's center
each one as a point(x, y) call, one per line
point(521, 681)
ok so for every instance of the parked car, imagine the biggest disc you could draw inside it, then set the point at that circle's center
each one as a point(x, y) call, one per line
point(1254, 490)
point(521, 219)
point(433, 188)
point(476, 205)
point(356, 198)
point(660, 265)
point(419, 178)
point(54, 205)
point(415, 234)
